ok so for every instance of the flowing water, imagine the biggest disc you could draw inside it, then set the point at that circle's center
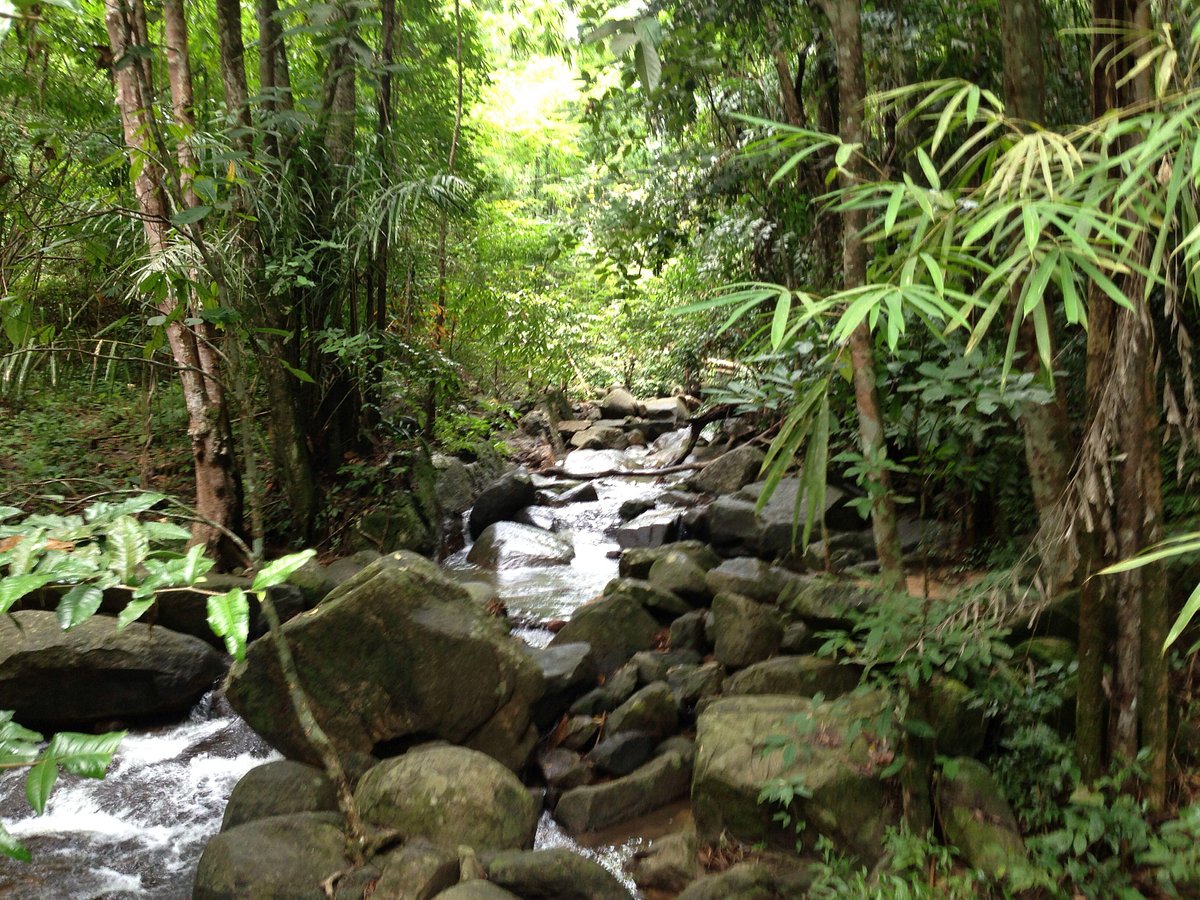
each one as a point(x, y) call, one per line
point(139, 832)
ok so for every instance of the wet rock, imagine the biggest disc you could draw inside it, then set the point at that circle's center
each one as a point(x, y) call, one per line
point(730, 472)
point(671, 411)
point(679, 573)
point(555, 874)
point(500, 500)
point(826, 601)
point(618, 403)
point(631, 509)
point(849, 803)
point(455, 488)
point(600, 438)
point(581, 493)
point(749, 577)
point(278, 788)
point(800, 676)
point(565, 666)
point(97, 671)
point(669, 865)
point(688, 632)
point(541, 517)
point(655, 665)
point(735, 526)
point(659, 782)
point(768, 877)
point(507, 545)
point(280, 856)
point(654, 599)
point(692, 684)
point(652, 710)
point(745, 632)
point(977, 818)
point(395, 686)
point(652, 528)
point(477, 890)
point(579, 732)
point(449, 796)
point(564, 769)
point(620, 754)
point(417, 871)
point(616, 627)
point(592, 462)
point(615, 691)
point(636, 561)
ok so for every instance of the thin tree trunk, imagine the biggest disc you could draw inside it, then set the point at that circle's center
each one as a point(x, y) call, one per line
point(844, 20)
point(218, 492)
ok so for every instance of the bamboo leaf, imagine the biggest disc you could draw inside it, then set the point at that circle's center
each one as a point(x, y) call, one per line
point(1190, 608)
point(779, 321)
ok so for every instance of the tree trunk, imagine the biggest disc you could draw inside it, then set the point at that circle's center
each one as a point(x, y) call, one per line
point(218, 490)
point(844, 20)
point(1044, 425)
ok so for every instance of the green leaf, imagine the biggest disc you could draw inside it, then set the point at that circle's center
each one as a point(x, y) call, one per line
point(229, 619)
point(783, 309)
point(195, 566)
point(298, 374)
point(133, 611)
point(166, 532)
point(127, 546)
point(1190, 608)
point(1032, 225)
point(7, 512)
point(78, 605)
point(190, 215)
point(9, 845)
point(277, 572)
point(40, 782)
point(85, 755)
point(14, 587)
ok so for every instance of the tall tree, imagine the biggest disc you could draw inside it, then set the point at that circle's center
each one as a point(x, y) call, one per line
point(218, 488)
point(845, 22)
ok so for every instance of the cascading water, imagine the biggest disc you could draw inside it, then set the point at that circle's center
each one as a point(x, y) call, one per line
point(139, 832)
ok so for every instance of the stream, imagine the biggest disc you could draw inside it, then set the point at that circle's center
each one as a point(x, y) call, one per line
point(139, 832)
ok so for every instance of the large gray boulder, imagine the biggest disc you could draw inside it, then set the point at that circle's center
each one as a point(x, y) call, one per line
point(278, 788)
point(652, 710)
point(281, 856)
point(849, 803)
point(449, 796)
point(616, 626)
point(418, 870)
point(95, 672)
point(555, 874)
point(749, 577)
point(730, 472)
point(653, 528)
point(373, 661)
point(500, 500)
point(636, 562)
point(826, 601)
point(659, 782)
point(507, 545)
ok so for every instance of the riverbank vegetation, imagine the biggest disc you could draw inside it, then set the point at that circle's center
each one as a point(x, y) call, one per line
point(266, 258)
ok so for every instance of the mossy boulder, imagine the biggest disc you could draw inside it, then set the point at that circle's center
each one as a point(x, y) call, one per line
point(801, 676)
point(418, 870)
point(849, 802)
point(281, 856)
point(659, 782)
point(555, 874)
point(278, 788)
point(653, 710)
point(637, 561)
point(372, 659)
point(744, 632)
point(449, 796)
point(826, 601)
point(729, 472)
point(616, 626)
point(977, 818)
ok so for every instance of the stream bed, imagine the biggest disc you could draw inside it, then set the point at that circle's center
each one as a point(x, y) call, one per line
point(139, 832)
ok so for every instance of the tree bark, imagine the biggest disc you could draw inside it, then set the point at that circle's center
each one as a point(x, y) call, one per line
point(1044, 426)
point(218, 489)
point(845, 22)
